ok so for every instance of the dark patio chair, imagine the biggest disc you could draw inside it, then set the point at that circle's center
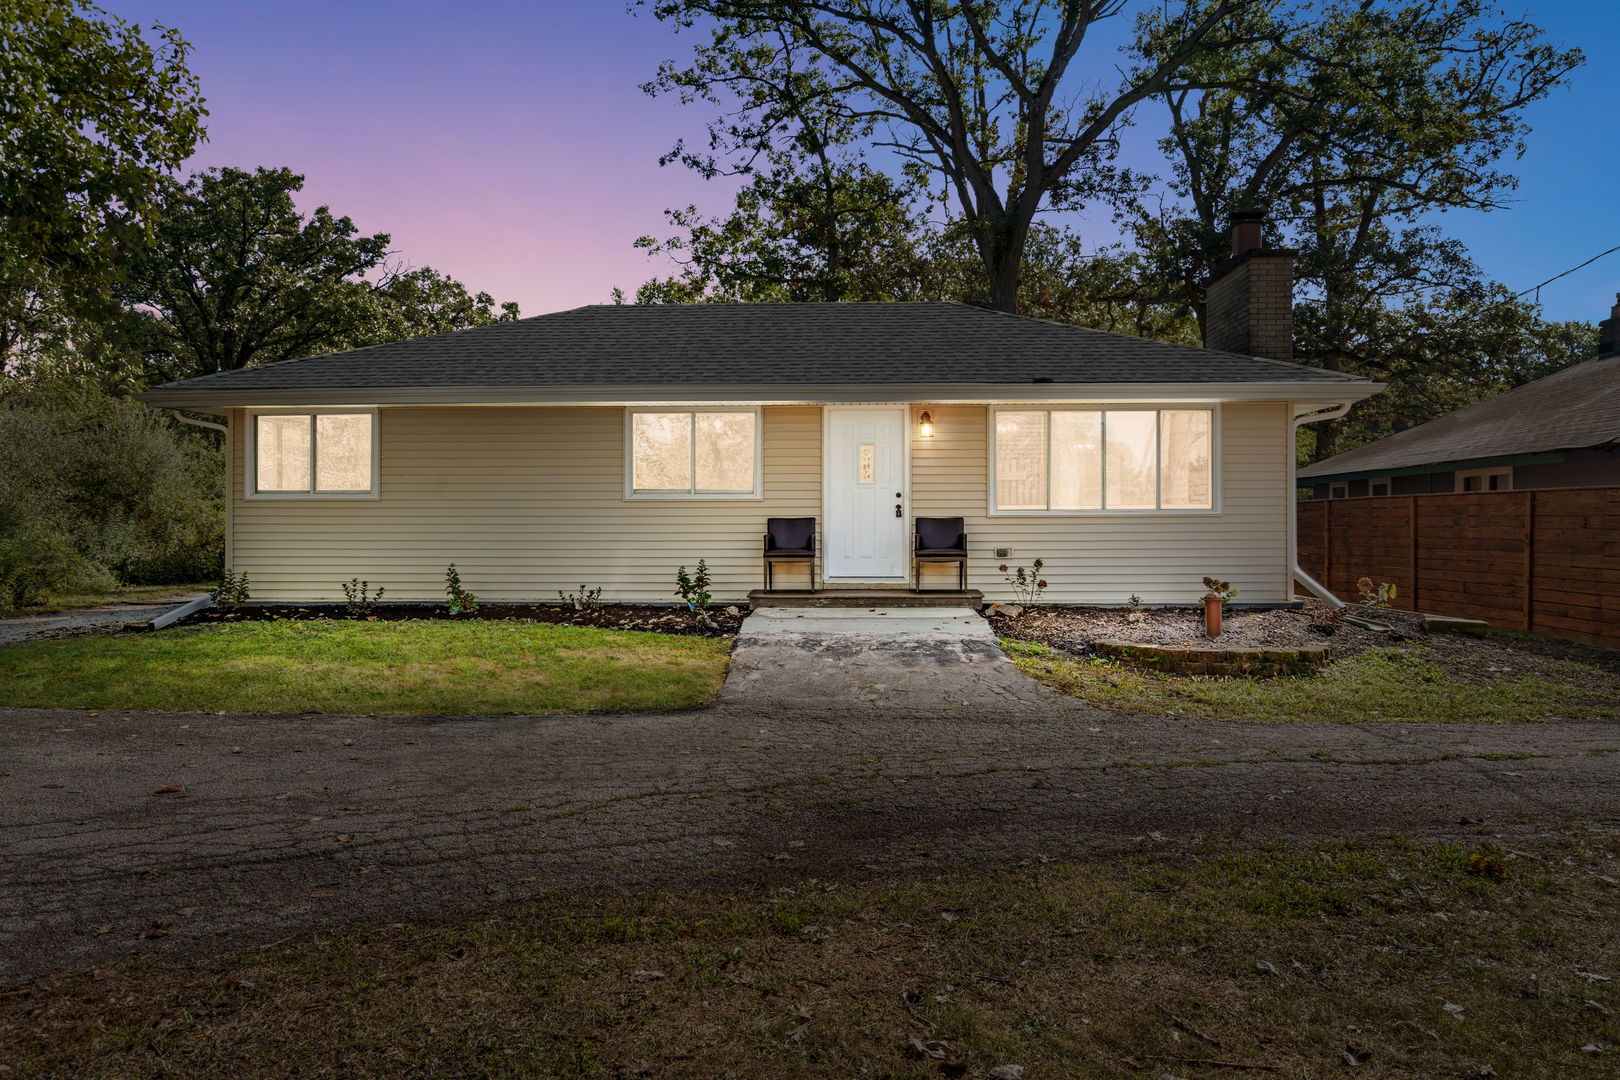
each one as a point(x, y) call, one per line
point(939, 540)
point(789, 540)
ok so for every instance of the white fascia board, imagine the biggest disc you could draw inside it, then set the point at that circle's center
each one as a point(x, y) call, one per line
point(771, 394)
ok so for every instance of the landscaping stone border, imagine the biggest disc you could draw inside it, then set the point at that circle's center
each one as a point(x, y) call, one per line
point(1215, 659)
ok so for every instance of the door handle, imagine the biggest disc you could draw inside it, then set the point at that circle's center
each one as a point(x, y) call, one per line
point(897, 511)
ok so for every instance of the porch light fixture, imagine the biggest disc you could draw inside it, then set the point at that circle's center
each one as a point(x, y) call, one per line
point(925, 425)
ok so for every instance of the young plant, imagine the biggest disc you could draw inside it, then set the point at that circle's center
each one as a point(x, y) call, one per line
point(1379, 594)
point(358, 598)
point(1133, 609)
point(583, 600)
point(1027, 585)
point(1214, 586)
point(458, 599)
point(694, 589)
point(233, 589)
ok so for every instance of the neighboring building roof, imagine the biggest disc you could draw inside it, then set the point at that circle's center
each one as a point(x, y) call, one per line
point(607, 346)
point(1571, 409)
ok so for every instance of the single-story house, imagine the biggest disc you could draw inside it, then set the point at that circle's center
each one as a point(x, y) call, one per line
point(1559, 431)
point(608, 445)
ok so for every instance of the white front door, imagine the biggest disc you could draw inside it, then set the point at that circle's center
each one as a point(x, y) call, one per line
point(864, 485)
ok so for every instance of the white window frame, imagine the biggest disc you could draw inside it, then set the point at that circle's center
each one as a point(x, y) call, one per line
point(250, 462)
point(1215, 448)
point(1388, 482)
point(632, 495)
point(1339, 489)
point(1501, 470)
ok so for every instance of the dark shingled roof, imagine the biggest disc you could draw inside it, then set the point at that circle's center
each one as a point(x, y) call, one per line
point(1572, 409)
point(716, 344)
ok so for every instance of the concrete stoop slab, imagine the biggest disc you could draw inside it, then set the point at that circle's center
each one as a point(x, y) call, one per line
point(892, 623)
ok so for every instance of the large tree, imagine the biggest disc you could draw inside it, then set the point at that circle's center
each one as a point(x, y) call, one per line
point(993, 103)
point(237, 275)
point(93, 113)
point(1354, 128)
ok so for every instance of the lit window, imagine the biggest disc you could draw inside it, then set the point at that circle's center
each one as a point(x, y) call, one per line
point(694, 453)
point(1062, 460)
point(314, 453)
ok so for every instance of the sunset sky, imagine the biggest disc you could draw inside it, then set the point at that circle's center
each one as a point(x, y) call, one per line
point(508, 144)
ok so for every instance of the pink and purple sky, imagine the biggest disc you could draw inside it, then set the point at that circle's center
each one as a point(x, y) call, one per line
point(507, 142)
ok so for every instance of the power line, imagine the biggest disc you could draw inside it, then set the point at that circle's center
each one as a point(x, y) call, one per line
point(1537, 288)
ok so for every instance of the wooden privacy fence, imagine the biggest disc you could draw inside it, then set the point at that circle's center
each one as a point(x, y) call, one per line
point(1546, 561)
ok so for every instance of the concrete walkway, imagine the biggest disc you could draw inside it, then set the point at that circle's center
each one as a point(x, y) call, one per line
point(87, 620)
point(828, 753)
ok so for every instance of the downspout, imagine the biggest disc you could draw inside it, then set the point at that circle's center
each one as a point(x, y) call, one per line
point(1310, 583)
point(184, 419)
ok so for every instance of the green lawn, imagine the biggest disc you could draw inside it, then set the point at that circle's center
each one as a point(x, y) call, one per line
point(1413, 684)
point(426, 667)
point(1383, 960)
point(121, 594)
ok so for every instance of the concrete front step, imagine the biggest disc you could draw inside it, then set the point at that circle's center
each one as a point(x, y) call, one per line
point(890, 625)
point(864, 598)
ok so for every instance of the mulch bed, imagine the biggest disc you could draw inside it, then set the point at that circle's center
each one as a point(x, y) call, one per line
point(1076, 630)
point(724, 622)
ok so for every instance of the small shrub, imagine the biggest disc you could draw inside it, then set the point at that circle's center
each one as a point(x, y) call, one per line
point(1379, 594)
point(694, 589)
point(233, 589)
point(34, 561)
point(583, 600)
point(359, 599)
point(1222, 589)
point(1027, 585)
point(1133, 608)
point(458, 599)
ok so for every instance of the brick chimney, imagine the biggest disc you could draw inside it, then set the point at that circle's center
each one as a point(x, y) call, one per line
point(1609, 332)
point(1249, 306)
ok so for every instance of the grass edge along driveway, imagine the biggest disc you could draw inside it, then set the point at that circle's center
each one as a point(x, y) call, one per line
point(407, 667)
point(1410, 685)
point(1381, 959)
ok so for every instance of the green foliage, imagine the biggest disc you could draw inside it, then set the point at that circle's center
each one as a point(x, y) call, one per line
point(236, 275)
point(233, 589)
point(457, 598)
point(96, 111)
point(133, 496)
point(34, 562)
point(586, 599)
point(1380, 594)
point(358, 599)
point(1223, 589)
point(693, 588)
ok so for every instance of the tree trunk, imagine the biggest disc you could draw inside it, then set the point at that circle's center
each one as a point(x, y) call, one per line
point(1003, 255)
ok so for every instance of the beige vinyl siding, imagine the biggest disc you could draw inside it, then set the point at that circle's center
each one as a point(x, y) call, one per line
point(525, 501)
point(530, 500)
point(1104, 558)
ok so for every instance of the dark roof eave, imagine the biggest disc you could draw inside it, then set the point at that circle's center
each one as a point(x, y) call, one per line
point(182, 397)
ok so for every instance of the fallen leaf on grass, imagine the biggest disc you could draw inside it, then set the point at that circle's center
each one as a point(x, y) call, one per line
point(931, 1049)
point(104, 928)
point(170, 789)
point(156, 930)
point(649, 976)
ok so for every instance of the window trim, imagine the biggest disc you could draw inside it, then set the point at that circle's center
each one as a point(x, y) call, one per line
point(250, 460)
point(1339, 489)
point(1496, 470)
point(632, 495)
point(1215, 457)
point(1388, 482)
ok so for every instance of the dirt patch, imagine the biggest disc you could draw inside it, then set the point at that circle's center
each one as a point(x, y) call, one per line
point(723, 622)
point(1077, 630)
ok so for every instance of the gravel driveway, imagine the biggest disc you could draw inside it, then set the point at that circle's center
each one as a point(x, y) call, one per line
point(824, 755)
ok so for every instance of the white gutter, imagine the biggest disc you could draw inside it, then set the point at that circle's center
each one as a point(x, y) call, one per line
point(184, 419)
point(1312, 417)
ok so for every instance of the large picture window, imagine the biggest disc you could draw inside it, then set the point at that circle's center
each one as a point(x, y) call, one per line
point(314, 453)
point(1074, 460)
point(704, 452)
